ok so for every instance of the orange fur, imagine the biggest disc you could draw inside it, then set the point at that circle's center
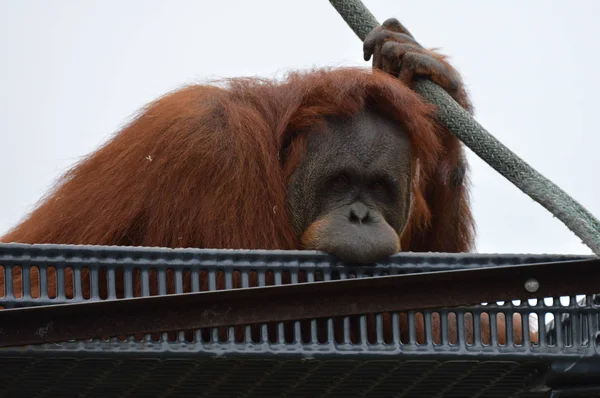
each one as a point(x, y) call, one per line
point(201, 167)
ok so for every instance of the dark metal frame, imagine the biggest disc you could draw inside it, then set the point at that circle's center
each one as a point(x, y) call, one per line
point(35, 330)
point(255, 305)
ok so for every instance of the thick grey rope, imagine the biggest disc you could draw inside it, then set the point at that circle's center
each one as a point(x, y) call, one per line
point(580, 221)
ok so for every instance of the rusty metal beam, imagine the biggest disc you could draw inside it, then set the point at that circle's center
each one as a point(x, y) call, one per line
point(63, 322)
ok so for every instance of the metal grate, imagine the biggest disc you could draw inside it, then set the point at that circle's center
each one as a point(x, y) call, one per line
point(412, 354)
point(265, 378)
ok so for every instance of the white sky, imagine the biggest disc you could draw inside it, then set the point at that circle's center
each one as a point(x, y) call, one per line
point(73, 72)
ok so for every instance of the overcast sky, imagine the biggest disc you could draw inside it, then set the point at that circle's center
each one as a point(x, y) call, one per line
point(73, 72)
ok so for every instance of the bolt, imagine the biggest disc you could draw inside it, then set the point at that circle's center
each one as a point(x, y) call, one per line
point(532, 285)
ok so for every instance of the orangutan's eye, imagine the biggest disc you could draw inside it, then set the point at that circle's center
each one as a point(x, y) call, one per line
point(340, 181)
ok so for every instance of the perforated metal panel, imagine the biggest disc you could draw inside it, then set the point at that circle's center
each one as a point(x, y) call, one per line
point(353, 356)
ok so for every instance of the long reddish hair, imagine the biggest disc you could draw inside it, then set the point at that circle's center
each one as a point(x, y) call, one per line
point(207, 166)
point(203, 166)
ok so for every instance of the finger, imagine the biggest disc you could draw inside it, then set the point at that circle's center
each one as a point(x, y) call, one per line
point(390, 66)
point(423, 65)
point(377, 59)
point(394, 50)
point(379, 37)
point(392, 54)
point(369, 43)
point(394, 25)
